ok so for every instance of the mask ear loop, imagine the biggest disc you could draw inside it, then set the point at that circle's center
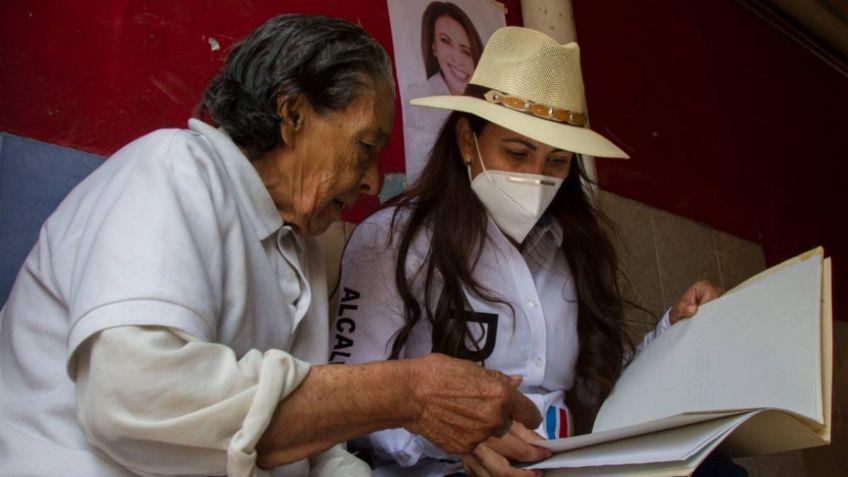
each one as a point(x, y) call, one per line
point(479, 158)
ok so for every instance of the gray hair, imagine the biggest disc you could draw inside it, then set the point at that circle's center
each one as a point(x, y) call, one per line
point(327, 60)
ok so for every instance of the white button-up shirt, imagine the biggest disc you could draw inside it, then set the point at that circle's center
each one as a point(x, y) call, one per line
point(533, 334)
point(193, 311)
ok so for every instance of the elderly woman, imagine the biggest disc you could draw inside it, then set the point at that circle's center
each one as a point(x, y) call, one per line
point(497, 255)
point(166, 320)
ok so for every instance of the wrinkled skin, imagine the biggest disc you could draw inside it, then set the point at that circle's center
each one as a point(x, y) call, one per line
point(453, 403)
point(464, 404)
point(325, 160)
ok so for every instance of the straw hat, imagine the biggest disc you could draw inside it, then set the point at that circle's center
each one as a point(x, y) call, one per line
point(526, 82)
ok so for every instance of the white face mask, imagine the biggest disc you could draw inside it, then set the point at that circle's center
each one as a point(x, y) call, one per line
point(514, 200)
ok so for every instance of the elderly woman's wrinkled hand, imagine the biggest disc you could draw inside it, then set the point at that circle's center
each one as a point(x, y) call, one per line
point(687, 305)
point(494, 456)
point(461, 404)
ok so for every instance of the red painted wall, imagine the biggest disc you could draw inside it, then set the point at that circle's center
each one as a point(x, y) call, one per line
point(727, 121)
point(94, 75)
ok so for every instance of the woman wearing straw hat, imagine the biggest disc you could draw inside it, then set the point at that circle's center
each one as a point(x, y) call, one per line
point(496, 254)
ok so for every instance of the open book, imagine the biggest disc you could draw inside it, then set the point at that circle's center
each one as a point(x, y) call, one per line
point(750, 372)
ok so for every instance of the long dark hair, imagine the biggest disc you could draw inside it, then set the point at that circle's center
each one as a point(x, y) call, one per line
point(433, 12)
point(458, 233)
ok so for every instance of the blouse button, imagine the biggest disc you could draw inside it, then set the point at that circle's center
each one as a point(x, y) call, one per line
point(538, 361)
point(533, 304)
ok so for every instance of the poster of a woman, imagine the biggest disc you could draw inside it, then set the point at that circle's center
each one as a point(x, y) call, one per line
point(450, 46)
point(437, 45)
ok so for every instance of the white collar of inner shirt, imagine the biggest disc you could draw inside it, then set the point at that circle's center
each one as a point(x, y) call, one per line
point(546, 228)
point(287, 233)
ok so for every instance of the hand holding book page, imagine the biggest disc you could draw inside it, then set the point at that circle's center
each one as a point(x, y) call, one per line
point(752, 371)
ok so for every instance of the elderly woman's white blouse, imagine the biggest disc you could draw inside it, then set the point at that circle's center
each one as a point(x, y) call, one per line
point(168, 287)
point(535, 338)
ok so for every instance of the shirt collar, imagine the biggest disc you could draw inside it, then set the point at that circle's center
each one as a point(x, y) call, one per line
point(546, 233)
point(548, 229)
point(251, 194)
point(286, 231)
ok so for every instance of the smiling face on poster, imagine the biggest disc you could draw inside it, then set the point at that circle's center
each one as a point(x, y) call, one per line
point(450, 45)
point(453, 51)
point(436, 48)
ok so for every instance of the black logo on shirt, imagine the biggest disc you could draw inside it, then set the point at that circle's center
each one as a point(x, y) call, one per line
point(488, 322)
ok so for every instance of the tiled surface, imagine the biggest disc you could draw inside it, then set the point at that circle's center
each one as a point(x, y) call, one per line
point(634, 243)
point(662, 255)
point(738, 259)
point(686, 253)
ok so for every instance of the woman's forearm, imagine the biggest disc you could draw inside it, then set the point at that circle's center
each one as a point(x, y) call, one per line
point(335, 403)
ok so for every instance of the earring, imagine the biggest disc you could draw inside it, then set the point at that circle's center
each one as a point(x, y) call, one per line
point(467, 159)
